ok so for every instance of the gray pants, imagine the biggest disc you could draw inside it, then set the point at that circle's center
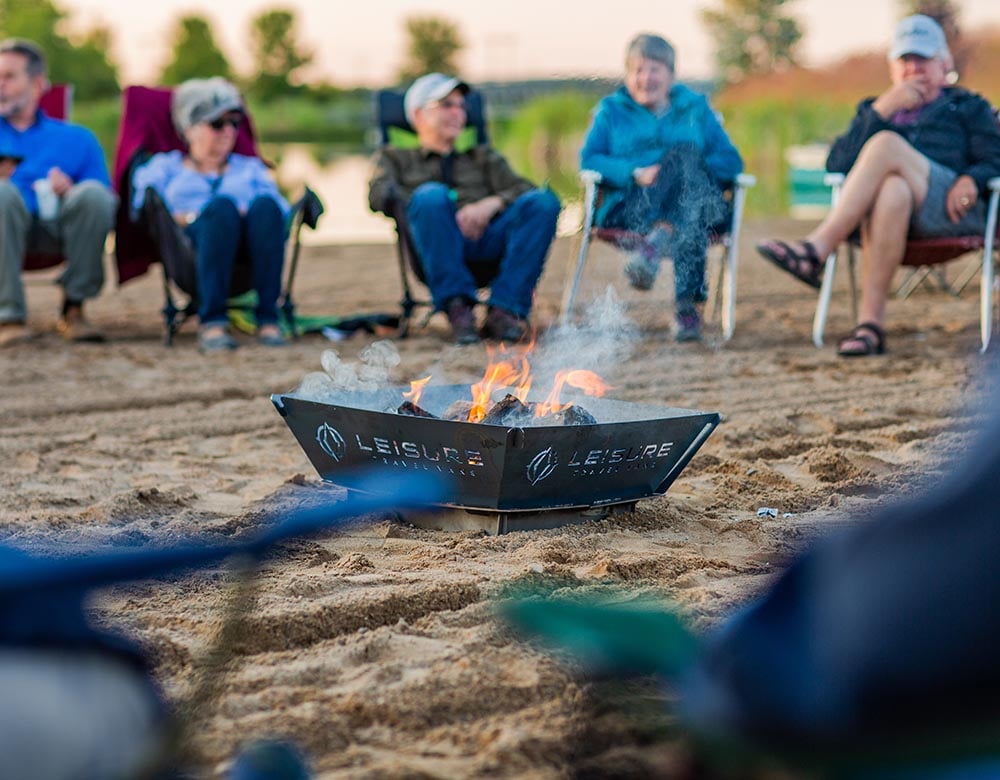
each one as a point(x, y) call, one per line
point(78, 232)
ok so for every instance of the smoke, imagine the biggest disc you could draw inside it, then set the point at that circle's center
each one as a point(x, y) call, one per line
point(370, 372)
point(604, 337)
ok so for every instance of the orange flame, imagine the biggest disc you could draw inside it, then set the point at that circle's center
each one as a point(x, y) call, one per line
point(416, 390)
point(588, 381)
point(514, 372)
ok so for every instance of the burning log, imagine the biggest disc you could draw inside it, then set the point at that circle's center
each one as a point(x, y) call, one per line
point(571, 415)
point(410, 409)
point(510, 410)
point(458, 411)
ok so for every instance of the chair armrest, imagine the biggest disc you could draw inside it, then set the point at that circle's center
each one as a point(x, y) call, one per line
point(994, 184)
point(590, 177)
point(746, 180)
point(833, 179)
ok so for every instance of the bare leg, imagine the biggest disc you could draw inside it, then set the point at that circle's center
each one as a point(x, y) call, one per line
point(885, 154)
point(883, 242)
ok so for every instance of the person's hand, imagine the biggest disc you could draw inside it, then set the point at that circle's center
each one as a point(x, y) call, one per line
point(961, 197)
point(474, 217)
point(645, 177)
point(901, 97)
point(60, 181)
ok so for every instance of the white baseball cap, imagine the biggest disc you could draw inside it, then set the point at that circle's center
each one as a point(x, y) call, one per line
point(920, 35)
point(427, 89)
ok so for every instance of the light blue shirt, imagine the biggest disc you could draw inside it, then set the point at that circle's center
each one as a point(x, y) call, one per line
point(186, 191)
point(51, 143)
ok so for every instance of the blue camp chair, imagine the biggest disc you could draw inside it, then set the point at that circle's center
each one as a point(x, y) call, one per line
point(395, 130)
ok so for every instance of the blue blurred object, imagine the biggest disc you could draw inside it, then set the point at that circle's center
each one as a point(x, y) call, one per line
point(269, 760)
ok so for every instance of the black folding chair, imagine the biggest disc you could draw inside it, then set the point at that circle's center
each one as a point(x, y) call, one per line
point(395, 130)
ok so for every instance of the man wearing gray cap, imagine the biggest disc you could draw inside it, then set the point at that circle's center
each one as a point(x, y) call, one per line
point(55, 197)
point(465, 208)
point(918, 158)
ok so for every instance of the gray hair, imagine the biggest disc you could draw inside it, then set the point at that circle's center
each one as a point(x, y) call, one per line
point(651, 47)
point(30, 50)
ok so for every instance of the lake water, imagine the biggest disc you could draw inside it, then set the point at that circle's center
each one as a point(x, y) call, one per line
point(341, 181)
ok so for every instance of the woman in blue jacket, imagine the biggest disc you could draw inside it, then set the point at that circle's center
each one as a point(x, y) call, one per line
point(664, 160)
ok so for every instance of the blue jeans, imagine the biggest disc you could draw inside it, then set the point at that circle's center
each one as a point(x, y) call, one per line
point(220, 236)
point(519, 237)
point(684, 195)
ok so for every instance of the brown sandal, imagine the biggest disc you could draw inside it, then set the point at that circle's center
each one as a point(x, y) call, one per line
point(867, 339)
point(804, 266)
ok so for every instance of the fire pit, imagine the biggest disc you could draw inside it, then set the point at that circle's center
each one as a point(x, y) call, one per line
point(504, 477)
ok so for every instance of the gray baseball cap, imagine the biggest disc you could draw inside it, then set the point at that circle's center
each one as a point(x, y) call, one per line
point(427, 89)
point(920, 35)
point(203, 100)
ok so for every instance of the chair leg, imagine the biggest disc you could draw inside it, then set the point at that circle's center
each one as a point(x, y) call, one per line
point(825, 294)
point(852, 268)
point(570, 295)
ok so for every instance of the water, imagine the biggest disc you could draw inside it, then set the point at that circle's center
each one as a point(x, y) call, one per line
point(341, 181)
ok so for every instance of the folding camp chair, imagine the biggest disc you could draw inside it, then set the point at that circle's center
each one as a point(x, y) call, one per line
point(56, 102)
point(725, 293)
point(395, 130)
point(922, 254)
point(146, 129)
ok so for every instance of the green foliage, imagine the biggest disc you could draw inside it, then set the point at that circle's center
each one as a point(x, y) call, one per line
point(542, 141)
point(195, 53)
point(764, 129)
point(434, 45)
point(299, 118)
point(82, 62)
point(276, 52)
point(752, 37)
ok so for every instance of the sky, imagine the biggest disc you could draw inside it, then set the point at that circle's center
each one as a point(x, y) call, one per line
point(362, 43)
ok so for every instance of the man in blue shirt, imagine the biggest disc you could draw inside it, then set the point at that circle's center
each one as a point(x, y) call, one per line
point(55, 196)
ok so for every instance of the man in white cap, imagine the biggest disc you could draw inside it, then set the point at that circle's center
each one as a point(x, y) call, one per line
point(466, 207)
point(918, 158)
point(44, 159)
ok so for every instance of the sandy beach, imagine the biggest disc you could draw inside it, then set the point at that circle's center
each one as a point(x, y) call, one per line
point(375, 648)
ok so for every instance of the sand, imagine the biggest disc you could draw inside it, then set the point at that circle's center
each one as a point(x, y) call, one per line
point(375, 648)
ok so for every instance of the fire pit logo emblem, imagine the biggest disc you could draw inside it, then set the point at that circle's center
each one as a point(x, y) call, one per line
point(331, 442)
point(541, 466)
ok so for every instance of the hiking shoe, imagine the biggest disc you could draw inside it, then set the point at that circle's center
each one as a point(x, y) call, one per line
point(463, 321)
point(73, 326)
point(214, 339)
point(502, 325)
point(271, 337)
point(13, 333)
point(641, 271)
point(687, 324)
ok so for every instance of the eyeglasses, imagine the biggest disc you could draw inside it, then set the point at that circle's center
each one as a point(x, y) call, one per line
point(459, 104)
point(226, 121)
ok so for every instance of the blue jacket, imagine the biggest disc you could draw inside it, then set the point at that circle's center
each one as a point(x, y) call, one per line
point(624, 136)
point(51, 143)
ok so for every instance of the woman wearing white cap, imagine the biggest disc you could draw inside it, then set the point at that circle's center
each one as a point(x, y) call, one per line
point(918, 158)
point(227, 204)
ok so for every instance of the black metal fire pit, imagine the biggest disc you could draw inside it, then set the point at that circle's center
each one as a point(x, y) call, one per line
point(504, 478)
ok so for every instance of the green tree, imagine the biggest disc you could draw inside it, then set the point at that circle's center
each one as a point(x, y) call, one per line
point(945, 13)
point(82, 61)
point(434, 45)
point(276, 52)
point(195, 53)
point(752, 37)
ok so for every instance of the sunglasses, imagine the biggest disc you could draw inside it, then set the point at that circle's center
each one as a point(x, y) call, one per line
point(226, 121)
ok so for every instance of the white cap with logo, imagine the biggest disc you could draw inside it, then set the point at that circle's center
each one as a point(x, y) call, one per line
point(920, 35)
point(427, 89)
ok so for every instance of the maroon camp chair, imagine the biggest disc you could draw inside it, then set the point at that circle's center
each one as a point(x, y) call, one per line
point(57, 103)
point(146, 128)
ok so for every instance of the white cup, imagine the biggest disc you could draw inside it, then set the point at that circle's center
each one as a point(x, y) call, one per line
point(48, 201)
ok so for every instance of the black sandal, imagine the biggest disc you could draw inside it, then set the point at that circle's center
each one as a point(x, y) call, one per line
point(805, 266)
point(871, 338)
